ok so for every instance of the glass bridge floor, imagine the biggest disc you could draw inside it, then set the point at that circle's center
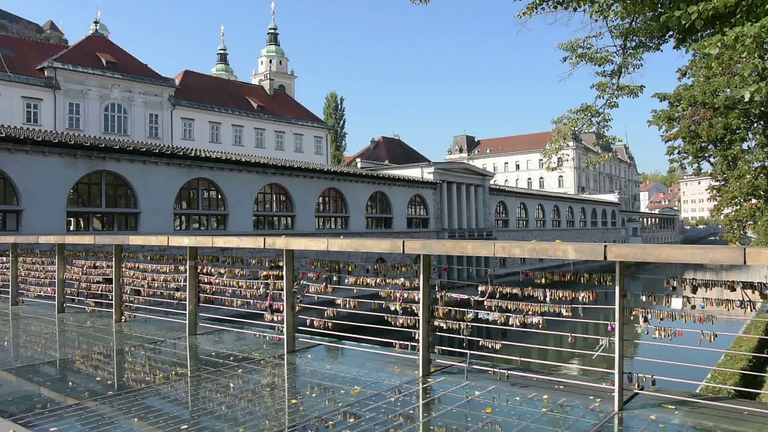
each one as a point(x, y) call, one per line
point(82, 373)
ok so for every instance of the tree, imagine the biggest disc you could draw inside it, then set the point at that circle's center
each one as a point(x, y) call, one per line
point(52, 37)
point(334, 114)
point(717, 116)
point(671, 177)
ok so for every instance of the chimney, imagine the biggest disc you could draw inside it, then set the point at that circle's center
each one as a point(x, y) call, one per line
point(397, 136)
point(373, 143)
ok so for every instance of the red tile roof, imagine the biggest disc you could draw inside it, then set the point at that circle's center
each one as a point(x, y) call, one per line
point(86, 54)
point(672, 199)
point(514, 143)
point(220, 92)
point(646, 186)
point(389, 150)
point(22, 55)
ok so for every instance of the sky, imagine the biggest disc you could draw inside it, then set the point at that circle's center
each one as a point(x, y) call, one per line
point(426, 73)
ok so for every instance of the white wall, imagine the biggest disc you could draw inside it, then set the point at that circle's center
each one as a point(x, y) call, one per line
point(202, 121)
point(695, 200)
point(44, 182)
point(12, 104)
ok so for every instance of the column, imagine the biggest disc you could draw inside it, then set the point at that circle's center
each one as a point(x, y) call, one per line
point(425, 313)
point(463, 268)
point(61, 268)
point(480, 206)
point(193, 292)
point(14, 285)
point(463, 206)
point(117, 283)
point(444, 203)
point(289, 308)
point(472, 210)
point(454, 206)
point(618, 339)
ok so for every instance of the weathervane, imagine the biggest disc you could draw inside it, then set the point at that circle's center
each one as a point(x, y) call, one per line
point(98, 14)
point(222, 32)
point(273, 11)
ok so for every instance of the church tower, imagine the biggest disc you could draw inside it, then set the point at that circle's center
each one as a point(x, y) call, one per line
point(222, 68)
point(273, 73)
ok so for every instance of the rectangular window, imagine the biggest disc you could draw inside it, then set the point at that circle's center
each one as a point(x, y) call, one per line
point(215, 136)
point(259, 138)
point(154, 125)
point(280, 141)
point(506, 166)
point(32, 112)
point(298, 143)
point(73, 115)
point(528, 164)
point(318, 145)
point(517, 165)
point(494, 168)
point(541, 163)
point(237, 135)
point(187, 129)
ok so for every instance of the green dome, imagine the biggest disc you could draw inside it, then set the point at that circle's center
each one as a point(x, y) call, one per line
point(100, 27)
point(222, 69)
point(273, 50)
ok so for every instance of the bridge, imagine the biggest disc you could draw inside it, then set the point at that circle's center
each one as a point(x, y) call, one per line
point(697, 234)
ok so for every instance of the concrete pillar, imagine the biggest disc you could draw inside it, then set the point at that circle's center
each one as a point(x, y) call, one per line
point(472, 210)
point(289, 309)
point(444, 203)
point(117, 283)
point(463, 206)
point(193, 292)
point(61, 269)
point(480, 196)
point(425, 297)
point(454, 206)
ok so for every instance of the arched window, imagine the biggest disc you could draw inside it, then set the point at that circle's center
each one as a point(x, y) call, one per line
point(522, 215)
point(115, 119)
point(560, 182)
point(541, 182)
point(417, 216)
point(623, 223)
point(506, 182)
point(501, 215)
point(604, 219)
point(613, 218)
point(378, 212)
point(541, 216)
point(582, 218)
point(530, 183)
point(102, 201)
point(593, 219)
point(273, 209)
point(199, 206)
point(9, 203)
point(517, 182)
point(331, 210)
point(555, 217)
point(281, 88)
point(569, 222)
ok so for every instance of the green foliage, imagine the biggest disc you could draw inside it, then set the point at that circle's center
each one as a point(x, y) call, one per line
point(671, 177)
point(335, 115)
point(741, 362)
point(53, 38)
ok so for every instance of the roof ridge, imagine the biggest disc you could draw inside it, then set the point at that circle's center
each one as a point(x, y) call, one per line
point(221, 78)
point(34, 40)
point(518, 135)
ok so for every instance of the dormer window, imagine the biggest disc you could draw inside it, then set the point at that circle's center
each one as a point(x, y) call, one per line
point(108, 61)
point(487, 150)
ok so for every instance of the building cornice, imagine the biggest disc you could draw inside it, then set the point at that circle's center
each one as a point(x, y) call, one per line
point(47, 82)
point(510, 191)
point(240, 113)
point(109, 74)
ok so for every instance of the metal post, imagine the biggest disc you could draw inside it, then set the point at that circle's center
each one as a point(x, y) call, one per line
point(117, 283)
point(61, 268)
point(14, 287)
point(289, 307)
point(192, 291)
point(618, 329)
point(425, 311)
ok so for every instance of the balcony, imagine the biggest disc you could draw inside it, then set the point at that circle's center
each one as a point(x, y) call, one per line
point(270, 333)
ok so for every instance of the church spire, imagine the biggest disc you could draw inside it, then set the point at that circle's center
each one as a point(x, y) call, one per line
point(273, 72)
point(222, 68)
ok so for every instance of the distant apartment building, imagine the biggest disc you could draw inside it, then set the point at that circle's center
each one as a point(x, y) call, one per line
point(647, 191)
point(696, 200)
point(518, 161)
point(667, 202)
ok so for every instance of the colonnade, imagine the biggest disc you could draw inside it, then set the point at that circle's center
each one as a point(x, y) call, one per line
point(463, 209)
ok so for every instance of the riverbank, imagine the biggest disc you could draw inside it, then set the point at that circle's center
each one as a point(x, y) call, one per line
point(744, 371)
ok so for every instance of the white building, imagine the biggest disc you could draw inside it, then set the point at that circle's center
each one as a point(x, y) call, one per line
point(517, 161)
point(649, 190)
point(696, 200)
point(95, 87)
